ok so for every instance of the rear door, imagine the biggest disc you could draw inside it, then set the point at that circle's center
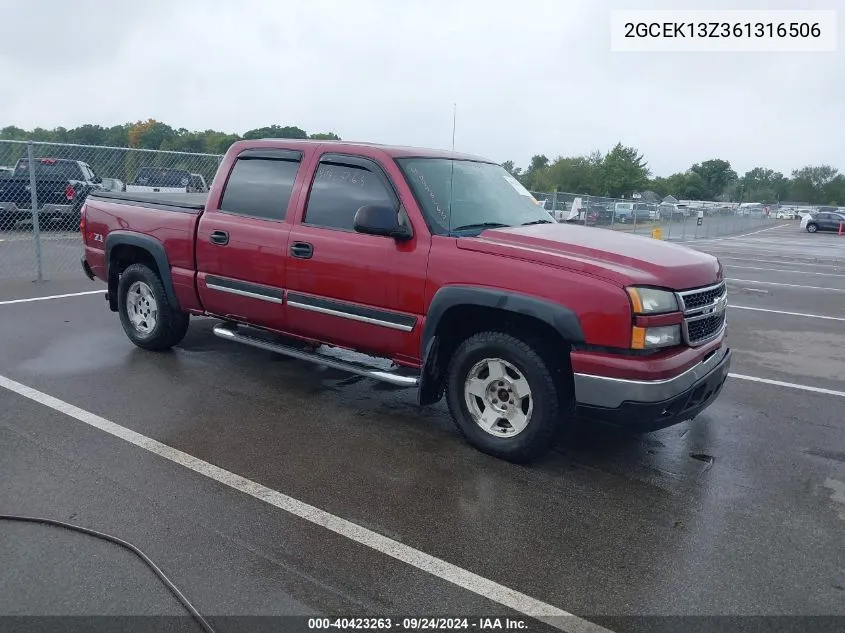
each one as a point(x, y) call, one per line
point(241, 246)
point(364, 292)
point(824, 221)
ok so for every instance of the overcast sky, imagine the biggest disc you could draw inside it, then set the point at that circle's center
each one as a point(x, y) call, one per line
point(529, 77)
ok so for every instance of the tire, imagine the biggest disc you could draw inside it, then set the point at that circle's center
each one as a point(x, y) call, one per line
point(146, 315)
point(549, 405)
point(812, 228)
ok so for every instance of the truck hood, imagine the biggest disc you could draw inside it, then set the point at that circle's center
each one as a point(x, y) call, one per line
point(621, 258)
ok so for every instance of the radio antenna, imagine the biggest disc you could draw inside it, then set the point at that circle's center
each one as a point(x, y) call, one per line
point(452, 162)
point(454, 123)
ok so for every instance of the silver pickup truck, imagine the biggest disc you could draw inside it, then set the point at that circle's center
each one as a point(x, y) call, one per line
point(166, 180)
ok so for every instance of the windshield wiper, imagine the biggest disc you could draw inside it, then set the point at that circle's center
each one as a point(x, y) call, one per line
point(537, 222)
point(481, 225)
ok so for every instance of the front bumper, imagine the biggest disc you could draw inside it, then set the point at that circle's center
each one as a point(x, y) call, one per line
point(648, 405)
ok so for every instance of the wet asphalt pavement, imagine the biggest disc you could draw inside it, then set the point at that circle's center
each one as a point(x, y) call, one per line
point(740, 512)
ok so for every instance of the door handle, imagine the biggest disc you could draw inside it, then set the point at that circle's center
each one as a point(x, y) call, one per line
point(220, 237)
point(302, 250)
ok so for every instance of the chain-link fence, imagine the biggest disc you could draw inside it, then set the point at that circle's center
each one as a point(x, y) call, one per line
point(666, 220)
point(46, 244)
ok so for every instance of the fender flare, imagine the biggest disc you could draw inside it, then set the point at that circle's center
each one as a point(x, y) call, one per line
point(154, 248)
point(562, 319)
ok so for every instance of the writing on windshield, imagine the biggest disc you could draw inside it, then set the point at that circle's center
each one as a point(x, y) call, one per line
point(466, 193)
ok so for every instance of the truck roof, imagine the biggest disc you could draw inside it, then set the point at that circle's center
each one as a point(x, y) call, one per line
point(393, 151)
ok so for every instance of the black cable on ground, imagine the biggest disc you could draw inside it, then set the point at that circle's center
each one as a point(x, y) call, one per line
point(113, 539)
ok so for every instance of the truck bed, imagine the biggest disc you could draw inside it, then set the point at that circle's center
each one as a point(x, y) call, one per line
point(187, 202)
point(163, 223)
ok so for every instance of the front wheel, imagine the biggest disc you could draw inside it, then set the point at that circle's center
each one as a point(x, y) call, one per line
point(812, 228)
point(146, 315)
point(505, 399)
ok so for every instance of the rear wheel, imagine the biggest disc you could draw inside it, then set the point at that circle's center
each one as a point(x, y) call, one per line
point(505, 399)
point(146, 315)
point(812, 228)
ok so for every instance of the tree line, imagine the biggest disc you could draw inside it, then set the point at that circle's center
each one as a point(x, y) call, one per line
point(143, 135)
point(623, 171)
point(618, 173)
point(155, 135)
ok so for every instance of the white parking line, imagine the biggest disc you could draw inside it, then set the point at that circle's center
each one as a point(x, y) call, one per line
point(738, 237)
point(798, 314)
point(791, 385)
point(780, 270)
point(777, 283)
point(833, 257)
point(70, 294)
point(785, 263)
point(520, 602)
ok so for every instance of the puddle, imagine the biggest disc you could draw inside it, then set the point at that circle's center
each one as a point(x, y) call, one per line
point(836, 456)
point(837, 489)
point(707, 459)
point(78, 354)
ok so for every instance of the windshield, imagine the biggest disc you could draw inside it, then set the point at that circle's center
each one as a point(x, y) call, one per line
point(459, 196)
point(49, 168)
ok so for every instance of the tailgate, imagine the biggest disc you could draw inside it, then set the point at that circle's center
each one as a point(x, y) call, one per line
point(18, 192)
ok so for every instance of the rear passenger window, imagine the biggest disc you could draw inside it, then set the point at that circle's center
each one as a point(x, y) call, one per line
point(339, 191)
point(260, 187)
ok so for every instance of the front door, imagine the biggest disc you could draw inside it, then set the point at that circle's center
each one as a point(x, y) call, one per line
point(241, 247)
point(363, 292)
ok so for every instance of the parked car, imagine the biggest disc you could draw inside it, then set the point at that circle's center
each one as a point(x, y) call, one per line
point(599, 214)
point(61, 187)
point(196, 184)
point(644, 211)
point(623, 212)
point(433, 271)
point(824, 221)
point(785, 214)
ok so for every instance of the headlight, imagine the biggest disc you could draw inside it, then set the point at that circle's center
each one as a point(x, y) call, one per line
point(655, 337)
point(652, 301)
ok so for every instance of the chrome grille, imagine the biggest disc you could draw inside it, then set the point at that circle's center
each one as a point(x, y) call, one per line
point(704, 313)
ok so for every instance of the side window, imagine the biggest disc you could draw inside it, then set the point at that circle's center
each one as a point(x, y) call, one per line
point(260, 187)
point(339, 191)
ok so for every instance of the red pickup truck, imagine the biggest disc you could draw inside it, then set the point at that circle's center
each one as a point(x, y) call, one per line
point(438, 270)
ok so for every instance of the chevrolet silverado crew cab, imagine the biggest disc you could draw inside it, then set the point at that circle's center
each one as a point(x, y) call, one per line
point(438, 270)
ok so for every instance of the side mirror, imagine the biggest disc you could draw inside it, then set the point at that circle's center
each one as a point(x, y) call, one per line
point(378, 220)
point(97, 180)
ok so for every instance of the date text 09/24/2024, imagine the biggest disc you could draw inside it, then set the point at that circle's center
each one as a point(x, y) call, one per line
point(418, 624)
